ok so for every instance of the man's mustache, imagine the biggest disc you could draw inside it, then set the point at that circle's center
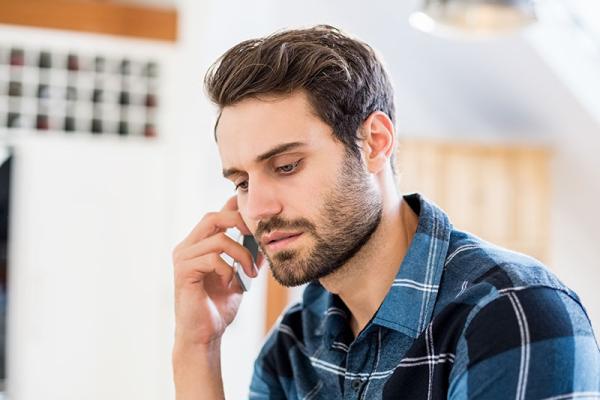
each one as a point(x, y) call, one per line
point(277, 222)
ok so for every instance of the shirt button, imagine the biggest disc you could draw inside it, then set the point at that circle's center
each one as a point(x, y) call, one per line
point(356, 384)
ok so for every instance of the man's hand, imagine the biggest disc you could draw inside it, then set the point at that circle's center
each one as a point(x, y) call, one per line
point(207, 298)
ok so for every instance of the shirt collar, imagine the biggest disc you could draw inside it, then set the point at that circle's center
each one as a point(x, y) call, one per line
point(408, 305)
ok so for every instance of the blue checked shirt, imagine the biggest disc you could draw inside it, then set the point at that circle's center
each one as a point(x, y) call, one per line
point(464, 319)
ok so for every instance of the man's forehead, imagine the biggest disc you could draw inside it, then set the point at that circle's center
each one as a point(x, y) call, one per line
point(265, 114)
point(248, 129)
point(256, 145)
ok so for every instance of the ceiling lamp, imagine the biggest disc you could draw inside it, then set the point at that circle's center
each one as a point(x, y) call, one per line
point(473, 17)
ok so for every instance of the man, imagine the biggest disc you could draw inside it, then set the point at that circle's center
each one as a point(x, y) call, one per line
point(399, 303)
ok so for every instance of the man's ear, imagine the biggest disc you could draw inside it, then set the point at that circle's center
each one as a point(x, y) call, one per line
point(378, 141)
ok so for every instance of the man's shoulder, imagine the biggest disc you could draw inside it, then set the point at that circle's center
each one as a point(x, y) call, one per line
point(493, 303)
point(479, 275)
point(472, 261)
point(485, 282)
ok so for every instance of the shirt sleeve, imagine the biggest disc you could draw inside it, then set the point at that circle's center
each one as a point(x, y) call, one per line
point(535, 343)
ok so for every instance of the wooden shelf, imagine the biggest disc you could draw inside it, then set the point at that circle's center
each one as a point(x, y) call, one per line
point(93, 16)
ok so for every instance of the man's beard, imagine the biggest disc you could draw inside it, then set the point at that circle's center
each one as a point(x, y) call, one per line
point(350, 214)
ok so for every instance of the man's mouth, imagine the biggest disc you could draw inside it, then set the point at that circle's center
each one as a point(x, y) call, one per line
point(277, 241)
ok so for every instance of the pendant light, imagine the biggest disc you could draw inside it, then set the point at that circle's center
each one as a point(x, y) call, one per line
point(473, 18)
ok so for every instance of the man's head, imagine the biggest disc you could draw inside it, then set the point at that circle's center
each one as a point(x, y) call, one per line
point(344, 80)
point(305, 129)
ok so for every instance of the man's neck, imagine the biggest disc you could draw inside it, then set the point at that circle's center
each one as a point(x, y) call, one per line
point(365, 280)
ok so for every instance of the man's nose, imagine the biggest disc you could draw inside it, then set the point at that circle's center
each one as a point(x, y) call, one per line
point(262, 201)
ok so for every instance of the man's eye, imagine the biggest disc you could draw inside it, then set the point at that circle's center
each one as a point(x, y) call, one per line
point(288, 168)
point(242, 186)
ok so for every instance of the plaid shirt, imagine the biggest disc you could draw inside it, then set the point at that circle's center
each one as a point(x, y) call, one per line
point(463, 319)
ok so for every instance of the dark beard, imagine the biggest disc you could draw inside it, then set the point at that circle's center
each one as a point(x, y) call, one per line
point(351, 213)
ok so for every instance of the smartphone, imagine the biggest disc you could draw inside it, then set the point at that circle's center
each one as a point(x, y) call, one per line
point(248, 242)
point(244, 280)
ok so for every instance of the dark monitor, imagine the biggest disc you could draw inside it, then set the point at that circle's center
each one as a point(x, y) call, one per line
point(5, 168)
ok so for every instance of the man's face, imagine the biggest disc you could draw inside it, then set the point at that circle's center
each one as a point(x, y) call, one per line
point(310, 205)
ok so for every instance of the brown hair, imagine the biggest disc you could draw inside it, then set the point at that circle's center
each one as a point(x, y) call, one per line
point(343, 78)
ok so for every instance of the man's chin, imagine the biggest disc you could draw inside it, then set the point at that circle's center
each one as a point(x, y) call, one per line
point(287, 275)
point(286, 278)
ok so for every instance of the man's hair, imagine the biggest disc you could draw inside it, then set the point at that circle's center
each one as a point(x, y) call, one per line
point(342, 77)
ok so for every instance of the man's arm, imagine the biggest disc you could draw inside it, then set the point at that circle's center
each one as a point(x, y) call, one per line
point(197, 371)
point(534, 343)
point(207, 298)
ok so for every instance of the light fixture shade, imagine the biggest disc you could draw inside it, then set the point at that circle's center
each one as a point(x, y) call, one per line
point(473, 17)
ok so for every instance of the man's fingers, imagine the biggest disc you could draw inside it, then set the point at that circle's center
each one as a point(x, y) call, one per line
point(216, 222)
point(236, 286)
point(220, 243)
point(231, 204)
point(206, 265)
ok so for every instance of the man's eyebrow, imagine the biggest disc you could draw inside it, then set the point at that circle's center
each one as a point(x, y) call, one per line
point(266, 155)
point(278, 149)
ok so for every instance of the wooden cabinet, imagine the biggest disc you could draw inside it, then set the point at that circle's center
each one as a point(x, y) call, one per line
point(498, 192)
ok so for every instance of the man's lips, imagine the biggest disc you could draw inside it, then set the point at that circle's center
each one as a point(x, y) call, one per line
point(277, 236)
point(278, 240)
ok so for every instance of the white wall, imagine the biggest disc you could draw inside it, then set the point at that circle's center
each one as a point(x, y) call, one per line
point(90, 281)
point(572, 54)
point(575, 218)
point(87, 271)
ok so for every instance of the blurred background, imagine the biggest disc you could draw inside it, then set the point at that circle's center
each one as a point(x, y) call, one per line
point(108, 161)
